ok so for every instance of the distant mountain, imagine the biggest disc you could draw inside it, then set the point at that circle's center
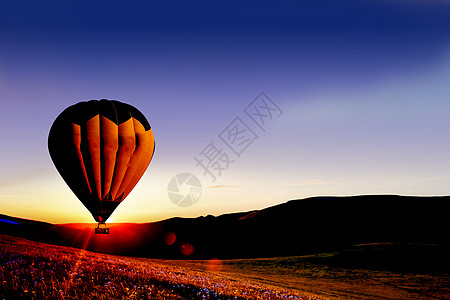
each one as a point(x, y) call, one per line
point(296, 227)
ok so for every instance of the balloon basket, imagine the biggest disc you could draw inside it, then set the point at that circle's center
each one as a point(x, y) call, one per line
point(101, 230)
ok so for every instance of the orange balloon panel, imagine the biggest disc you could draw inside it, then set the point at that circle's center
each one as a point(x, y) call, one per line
point(101, 149)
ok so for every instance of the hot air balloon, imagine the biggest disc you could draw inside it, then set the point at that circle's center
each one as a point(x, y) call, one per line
point(101, 148)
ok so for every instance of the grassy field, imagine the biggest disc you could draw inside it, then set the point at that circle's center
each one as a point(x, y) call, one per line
point(307, 276)
point(31, 270)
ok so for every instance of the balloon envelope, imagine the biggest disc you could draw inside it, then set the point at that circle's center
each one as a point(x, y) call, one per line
point(101, 149)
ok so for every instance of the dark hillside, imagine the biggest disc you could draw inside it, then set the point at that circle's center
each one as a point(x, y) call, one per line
point(297, 227)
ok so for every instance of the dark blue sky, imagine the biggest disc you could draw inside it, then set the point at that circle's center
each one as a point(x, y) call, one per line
point(308, 16)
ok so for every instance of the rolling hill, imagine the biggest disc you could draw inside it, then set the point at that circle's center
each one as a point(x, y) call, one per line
point(297, 227)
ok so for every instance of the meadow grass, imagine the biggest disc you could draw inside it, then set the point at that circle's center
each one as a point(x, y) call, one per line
point(321, 275)
point(31, 270)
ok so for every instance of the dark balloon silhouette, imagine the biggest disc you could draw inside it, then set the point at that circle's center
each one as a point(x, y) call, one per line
point(101, 149)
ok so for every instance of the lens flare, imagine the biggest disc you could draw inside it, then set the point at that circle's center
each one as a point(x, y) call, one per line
point(187, 249)
point(170, 238)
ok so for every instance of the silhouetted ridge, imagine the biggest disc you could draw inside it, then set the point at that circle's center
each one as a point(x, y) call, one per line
point(293, 228)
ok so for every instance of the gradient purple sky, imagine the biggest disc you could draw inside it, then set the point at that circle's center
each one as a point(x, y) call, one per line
point(363, 85)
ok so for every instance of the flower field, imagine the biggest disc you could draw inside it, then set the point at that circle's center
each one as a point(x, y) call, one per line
point(31, 270)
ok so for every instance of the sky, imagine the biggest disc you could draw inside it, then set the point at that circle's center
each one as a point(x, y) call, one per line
point(356, 98)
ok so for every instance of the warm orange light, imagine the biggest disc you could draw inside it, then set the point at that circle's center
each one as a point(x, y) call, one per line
point(214, 265)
